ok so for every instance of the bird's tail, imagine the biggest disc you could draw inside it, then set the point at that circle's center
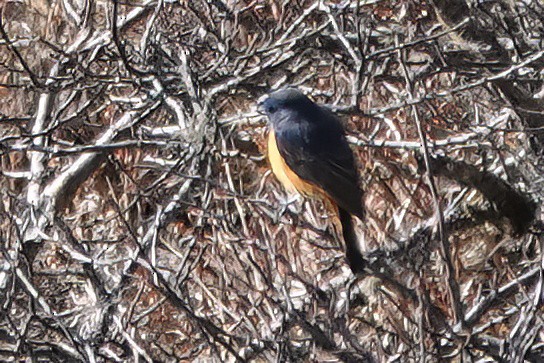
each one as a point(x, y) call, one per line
point(355, 259)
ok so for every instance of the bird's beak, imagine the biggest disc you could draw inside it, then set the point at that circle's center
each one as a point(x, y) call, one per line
point(260, 109)
point(260, 105)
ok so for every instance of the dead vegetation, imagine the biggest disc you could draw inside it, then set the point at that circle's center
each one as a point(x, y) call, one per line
point(139, 220)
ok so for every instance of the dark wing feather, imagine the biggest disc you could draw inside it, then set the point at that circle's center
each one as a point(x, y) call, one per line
point(317, 151)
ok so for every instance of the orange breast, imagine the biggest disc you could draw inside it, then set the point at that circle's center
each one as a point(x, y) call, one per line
point(287, 177)
point(293, 183)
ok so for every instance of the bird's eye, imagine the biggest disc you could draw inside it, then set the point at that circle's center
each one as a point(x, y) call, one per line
point(271, 109)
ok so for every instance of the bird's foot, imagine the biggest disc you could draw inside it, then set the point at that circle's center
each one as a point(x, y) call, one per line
point(285, 202)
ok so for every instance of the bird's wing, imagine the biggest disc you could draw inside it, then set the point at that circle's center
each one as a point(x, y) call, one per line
point(321, 155)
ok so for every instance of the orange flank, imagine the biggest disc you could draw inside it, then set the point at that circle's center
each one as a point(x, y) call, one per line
point(290, 180)
point(287, 177)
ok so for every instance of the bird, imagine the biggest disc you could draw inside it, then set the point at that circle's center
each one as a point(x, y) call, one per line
point(308, 153)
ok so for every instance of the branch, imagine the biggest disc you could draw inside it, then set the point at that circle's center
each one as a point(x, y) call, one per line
point(445, 248)
point(510, 203)
point(58, 192)
point(483, 306)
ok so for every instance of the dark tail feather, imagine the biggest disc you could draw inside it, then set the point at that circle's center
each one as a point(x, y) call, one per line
point(355, 260)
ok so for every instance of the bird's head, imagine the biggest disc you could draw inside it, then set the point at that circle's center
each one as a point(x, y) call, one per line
point(282, 100)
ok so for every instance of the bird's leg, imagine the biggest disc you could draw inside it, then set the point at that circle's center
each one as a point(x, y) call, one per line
point(285, 201)
point(353, 292)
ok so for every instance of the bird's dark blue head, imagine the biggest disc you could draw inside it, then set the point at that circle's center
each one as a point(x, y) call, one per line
point(288, 99)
